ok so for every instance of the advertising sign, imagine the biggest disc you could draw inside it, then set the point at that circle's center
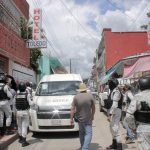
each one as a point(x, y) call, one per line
point(36, 43)
point(36, 34)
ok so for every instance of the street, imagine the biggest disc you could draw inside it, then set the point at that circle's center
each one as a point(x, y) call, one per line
point(70, 141)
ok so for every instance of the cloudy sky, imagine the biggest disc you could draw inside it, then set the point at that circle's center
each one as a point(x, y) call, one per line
point(73, 27)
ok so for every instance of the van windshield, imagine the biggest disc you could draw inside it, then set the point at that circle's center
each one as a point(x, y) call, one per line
point(58, 88)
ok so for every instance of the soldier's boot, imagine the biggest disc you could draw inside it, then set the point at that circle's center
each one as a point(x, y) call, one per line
point(24, 142)
point(8, 131)
point(119, 146)
point(113, 145)
point(20, 139)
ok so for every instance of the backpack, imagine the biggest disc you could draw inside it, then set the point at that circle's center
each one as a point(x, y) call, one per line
point(108, 102)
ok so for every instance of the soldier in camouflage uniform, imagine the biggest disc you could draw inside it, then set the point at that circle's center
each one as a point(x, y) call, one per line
point(140, 108)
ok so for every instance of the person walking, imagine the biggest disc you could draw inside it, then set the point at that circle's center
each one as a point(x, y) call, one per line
point(5, 96)
point(128, 97)
point(23, 102)
point(83, 106)
point(115, 114)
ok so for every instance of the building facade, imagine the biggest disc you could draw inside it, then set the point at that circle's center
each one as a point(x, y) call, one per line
point(14, 56)
point(118, 45)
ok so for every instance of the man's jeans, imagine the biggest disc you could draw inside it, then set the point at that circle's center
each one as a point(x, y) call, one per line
point(130, 134)
point(85, 134)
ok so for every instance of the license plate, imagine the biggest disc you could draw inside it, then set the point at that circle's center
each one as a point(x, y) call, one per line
point(56, 122)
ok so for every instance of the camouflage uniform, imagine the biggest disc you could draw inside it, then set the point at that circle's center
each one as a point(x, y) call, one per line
point(143, 129)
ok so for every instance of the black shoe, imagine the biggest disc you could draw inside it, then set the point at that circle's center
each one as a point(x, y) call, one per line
point(24, 143)
point(119, 146)
point(20, 139)
point(2, 132)
point(8, 131)
point(113, 146)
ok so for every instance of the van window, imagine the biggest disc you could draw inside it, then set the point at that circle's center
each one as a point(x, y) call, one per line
point(58, 88)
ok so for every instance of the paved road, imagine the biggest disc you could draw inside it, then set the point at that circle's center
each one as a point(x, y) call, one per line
point(70, 141)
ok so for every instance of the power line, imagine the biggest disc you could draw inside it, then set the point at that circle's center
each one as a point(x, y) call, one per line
point(78, 21)
point(46, 37)
point(139, 15)
point(133, 20)
point(119, 9)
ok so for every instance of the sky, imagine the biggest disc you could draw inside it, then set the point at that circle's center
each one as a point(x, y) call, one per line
point(73, 27)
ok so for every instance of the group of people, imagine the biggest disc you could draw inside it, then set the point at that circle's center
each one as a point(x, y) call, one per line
point(15, 102)
point(137, 112)
point(136, 120)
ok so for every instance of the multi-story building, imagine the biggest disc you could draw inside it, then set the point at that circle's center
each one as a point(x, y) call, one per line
point(117, 45)
point(14, 56)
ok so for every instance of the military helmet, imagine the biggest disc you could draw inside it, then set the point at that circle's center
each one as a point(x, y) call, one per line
point(22, 87)
point(144, 83)
point(113, 83)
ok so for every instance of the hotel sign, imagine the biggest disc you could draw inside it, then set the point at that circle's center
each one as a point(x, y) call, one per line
point(36, 34)
point(36, 43)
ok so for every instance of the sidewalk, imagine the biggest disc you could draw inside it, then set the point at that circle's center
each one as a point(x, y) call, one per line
point(6, 140)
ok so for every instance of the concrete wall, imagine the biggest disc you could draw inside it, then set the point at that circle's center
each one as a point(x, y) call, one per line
point(123, 44)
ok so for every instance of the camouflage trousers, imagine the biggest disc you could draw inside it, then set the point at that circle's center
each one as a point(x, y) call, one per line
point(143, 137)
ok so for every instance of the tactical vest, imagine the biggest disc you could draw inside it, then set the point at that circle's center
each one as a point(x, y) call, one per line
point(143, 116)
point(21, 101)
point(3, 95)
point(120, 102)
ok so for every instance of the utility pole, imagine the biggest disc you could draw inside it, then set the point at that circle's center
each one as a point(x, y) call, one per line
point(70, 66)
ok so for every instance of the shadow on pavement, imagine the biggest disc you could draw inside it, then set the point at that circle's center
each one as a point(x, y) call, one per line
point(56, 135)
point(93, 146)
point(32, 141)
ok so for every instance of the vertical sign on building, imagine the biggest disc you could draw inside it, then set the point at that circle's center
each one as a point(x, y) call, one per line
point(37, 24)
point(37, 41)
point(148, 33)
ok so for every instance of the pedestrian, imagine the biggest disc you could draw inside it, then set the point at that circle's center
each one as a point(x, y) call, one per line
point(128, 97)
point(5, 96)
point(23, 102)
point(140, 107)
point(13, 90)
point(83, 106)
point(29, 87)
point(115, 114)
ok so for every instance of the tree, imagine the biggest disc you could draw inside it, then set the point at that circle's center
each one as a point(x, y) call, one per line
point(145, 27)
point(35, 54)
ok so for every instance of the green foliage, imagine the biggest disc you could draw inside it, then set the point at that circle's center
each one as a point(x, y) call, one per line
point(35, 54)
point(34, 57)
point(26, 31)
point(145, 27)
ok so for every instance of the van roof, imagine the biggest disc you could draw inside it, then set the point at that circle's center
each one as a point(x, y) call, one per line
point(61, 77)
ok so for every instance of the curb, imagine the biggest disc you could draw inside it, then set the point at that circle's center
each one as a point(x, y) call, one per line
point(7, 140)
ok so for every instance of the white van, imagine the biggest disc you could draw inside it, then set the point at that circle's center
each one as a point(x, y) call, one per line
point(53, 98)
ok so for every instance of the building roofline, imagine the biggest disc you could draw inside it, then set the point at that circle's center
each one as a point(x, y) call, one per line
point(109, 29)
point(130, 57)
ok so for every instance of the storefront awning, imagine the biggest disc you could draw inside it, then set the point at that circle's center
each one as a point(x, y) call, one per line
point(141, 65)
point(115, 69)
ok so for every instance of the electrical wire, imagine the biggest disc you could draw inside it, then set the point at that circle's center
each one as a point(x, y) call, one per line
point(75, 18)
point(49, 42)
